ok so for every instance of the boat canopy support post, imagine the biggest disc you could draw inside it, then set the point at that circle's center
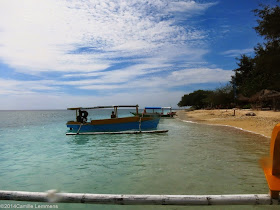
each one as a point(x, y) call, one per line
point(182, 200)
point(140, 121)
point(116, 111)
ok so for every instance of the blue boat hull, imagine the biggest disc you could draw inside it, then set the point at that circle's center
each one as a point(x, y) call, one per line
point(111, 127)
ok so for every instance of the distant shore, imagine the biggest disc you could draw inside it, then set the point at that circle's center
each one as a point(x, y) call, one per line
point(263, 123)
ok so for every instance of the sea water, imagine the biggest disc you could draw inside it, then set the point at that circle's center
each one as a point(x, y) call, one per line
point(36, 155)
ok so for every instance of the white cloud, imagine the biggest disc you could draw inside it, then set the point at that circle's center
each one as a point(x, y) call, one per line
point(125, 75)
point(191, 7)
point(103, 45)
point(57, 101)
point(154, 81)
point(201, 75)
point(183, 78)
point(18, 87)
point(237, 52)
point(39, 35)
point(128, 81)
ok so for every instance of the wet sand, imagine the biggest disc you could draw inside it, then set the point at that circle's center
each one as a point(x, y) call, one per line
point(263, 123)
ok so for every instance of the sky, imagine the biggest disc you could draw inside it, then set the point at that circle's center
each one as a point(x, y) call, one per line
point(68, 53)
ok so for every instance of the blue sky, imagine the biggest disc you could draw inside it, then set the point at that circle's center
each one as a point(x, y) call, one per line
point(59, 54)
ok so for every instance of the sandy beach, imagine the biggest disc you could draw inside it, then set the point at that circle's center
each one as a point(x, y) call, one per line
point(263, 123)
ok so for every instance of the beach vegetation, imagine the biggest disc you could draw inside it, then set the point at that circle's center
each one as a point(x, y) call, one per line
point(222, 97)
point(196, 99)
point(247, 106)
point(219, 98)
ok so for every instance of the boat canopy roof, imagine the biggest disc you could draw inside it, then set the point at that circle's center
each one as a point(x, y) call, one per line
point(151, 107)
point(103, 107)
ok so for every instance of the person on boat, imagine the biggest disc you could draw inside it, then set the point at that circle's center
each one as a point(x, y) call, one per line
point(82, 117)
point(144, 112)
point(113, 115)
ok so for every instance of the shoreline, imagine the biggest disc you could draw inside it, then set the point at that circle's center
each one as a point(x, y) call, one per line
point(262, 124)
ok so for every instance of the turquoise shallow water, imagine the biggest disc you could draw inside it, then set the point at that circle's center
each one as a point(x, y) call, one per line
point(36, 155)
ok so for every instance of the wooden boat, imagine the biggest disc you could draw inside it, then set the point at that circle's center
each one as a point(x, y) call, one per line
point(156, 111)
point(112, 124)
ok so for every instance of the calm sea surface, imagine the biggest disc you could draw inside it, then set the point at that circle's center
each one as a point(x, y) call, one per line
point(36, 155)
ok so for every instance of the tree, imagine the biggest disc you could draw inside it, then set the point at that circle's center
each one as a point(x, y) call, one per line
point(267, 57)
point(267, 63)
point(262, 71)
point(197, 99)
point(269, 22)
point(244, 76)
point(222, 97)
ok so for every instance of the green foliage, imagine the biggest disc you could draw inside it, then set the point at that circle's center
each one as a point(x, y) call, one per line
point(267, 63)
point(247, 106)
point(244, 75)
point(221, 97)
point(262, 71)
point(269, 22)
point(197, 99)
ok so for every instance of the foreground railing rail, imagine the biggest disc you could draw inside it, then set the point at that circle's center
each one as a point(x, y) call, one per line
point(53, 197)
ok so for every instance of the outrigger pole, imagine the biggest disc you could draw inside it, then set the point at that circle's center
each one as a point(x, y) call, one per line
point(118, 132)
